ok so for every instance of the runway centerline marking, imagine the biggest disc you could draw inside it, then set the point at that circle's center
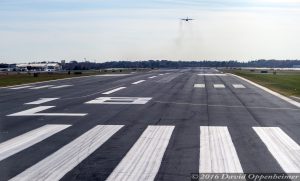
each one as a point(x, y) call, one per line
point(114, 90)
point(199, 85)
point(41, 87)
point(55, 166)
point(219, 86)
point(143, 160)
point(22, 87)
point(283, 148)
point(138, 82)
point(152, 77)
point(217, 152)
point(41, 101)
point(238, 86)
point(120, 100)
point(19, 143)
point(60, 86)
point(35, 112)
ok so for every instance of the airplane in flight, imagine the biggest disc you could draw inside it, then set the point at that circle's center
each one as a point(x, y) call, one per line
point(187, 19)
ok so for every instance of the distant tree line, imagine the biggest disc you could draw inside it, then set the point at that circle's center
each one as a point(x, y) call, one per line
point(74, 65)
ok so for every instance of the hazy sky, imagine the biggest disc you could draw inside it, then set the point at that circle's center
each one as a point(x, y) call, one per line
point(103, 30)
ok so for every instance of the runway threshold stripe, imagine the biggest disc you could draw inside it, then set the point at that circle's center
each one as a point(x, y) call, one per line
point(55, 166)
point(152, 77)
point(137, 82)
point(22, 87)
point(114, 90)
point(41, 87)
point(41, 101)
point(143, 160)
point(199, 85)
point(238, 86)
point(284, 149)
point(28, 139)
point(218, 86)
point(217, 152)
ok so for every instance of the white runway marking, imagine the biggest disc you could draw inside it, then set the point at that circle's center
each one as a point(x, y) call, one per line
point(41, 87)
point(22, 87)
point(199, 85)
point(17, 144)
point(114, 90)
point(152, 77)
point(111, 75)
point(60, 86)
point(161, 74)
point(137, 82)
point(120, 100)
point(35, 112)
point(285, 150)
point(42, 100)
point(217, 152)
point(55, 166)
point(238, 86)
point(143, 160)
point(212, 74)
point(219, 86)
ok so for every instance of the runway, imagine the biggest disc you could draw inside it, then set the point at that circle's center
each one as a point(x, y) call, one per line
point(160, 125)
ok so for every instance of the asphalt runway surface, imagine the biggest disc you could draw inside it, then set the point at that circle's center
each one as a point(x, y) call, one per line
point(161, 125)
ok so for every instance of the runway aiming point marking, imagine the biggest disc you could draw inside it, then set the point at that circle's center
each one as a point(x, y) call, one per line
point(120, 100)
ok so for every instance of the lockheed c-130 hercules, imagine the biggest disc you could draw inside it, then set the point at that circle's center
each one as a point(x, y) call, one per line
point(187, 19)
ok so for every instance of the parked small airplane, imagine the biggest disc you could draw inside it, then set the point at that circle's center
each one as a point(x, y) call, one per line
point(187, 19)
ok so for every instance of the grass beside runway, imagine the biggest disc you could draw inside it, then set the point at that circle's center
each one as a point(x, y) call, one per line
point(284, 82)
point(14, 78)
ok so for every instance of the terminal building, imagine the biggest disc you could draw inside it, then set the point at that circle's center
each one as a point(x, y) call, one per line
point(44, 67)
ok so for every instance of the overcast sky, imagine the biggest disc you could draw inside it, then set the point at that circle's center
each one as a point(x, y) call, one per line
point(105, 30)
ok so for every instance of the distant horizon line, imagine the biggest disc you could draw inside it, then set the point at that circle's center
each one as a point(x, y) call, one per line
point(95, 61)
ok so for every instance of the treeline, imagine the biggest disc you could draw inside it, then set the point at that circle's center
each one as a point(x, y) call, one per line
point(73, 65)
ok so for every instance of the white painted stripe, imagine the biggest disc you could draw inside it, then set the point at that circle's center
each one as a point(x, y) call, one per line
point(55, 166)
point(120, 100)
point(199, 85)
point(42, 100)
point(238, 86)
point(284, 149)
point(217, 152)
point(41, 87)
point(114, 90)
point(143, 160)
point(22, 87)
point(152, 77)
point(111, 75)
point(291, 101)
point(28, 139)
point(217, 86)
point(161, 74)
point(212, 74)
point(60, 86)
point(35, 112)
point(137, 82)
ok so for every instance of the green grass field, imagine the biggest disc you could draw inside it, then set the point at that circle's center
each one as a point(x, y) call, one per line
point(284, 82)
point(12, 78)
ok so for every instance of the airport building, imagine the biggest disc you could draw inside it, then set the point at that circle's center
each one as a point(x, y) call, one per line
point(45, 67)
